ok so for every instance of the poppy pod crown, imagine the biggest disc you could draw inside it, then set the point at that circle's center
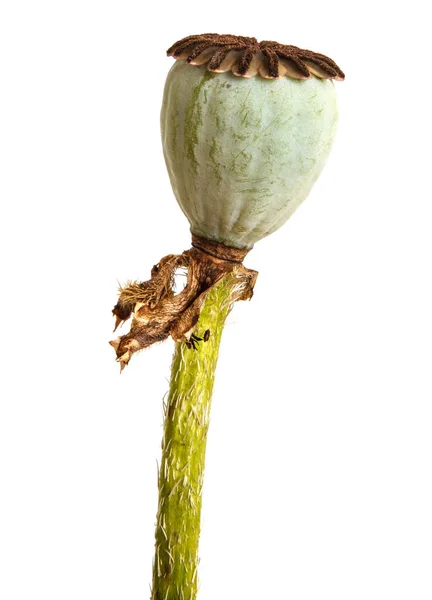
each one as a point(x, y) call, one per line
point(246, 57)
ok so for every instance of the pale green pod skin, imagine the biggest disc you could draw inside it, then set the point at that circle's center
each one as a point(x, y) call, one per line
point(242, 154)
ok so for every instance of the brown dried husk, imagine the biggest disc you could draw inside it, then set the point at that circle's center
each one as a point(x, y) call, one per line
point(158, 312)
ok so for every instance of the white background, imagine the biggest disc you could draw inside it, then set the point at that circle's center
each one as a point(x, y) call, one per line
point(318, 480)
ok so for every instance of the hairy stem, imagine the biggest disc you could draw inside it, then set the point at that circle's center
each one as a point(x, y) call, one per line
point(183, 453)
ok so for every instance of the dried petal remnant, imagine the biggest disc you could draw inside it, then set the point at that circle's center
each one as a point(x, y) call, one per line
point(157, 312)
point(246, 57)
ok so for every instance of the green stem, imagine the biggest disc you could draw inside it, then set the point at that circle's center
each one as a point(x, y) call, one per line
point(183, 453)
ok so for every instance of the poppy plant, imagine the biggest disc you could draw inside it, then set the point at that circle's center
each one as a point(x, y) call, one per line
point(246, 128)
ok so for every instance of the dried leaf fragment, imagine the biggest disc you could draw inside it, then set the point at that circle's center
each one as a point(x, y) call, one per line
point(157, 312)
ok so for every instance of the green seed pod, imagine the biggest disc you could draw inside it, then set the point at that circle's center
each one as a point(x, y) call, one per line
point(246, 130)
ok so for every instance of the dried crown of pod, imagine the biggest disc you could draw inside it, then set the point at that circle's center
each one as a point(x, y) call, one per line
point(247, 127)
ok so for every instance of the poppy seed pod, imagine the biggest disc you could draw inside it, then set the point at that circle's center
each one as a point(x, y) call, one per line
point(246, 130)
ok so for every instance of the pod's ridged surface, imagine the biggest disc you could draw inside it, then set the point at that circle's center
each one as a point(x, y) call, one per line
point(242, 153)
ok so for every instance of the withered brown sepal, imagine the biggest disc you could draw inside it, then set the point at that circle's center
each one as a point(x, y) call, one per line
point(158, 312)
